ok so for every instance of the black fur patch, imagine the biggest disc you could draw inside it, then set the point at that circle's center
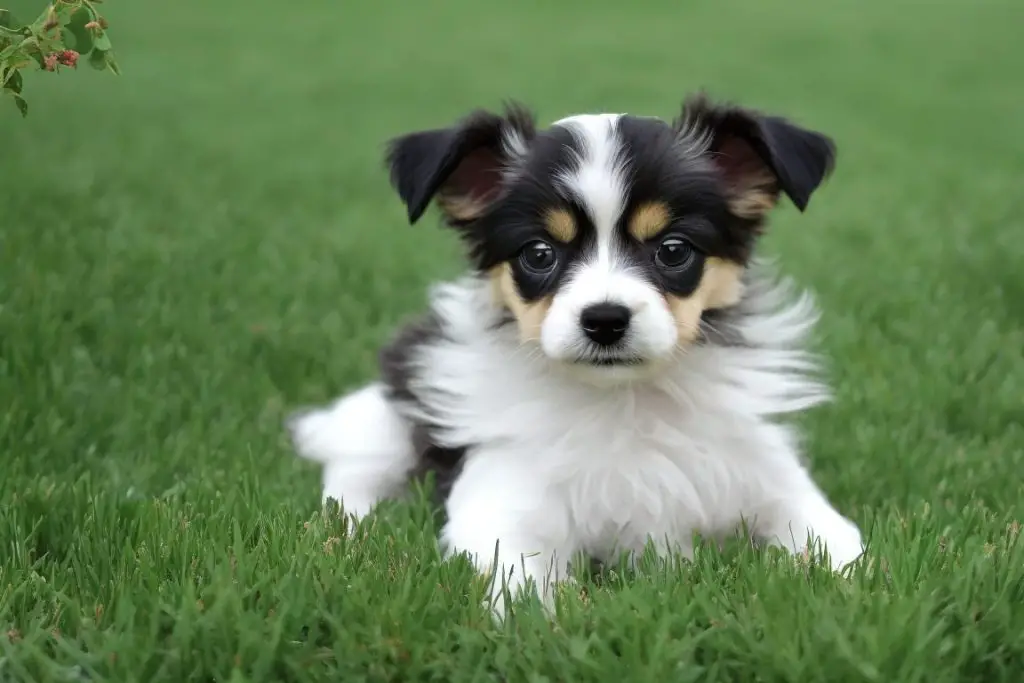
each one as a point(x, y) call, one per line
point(397, 369)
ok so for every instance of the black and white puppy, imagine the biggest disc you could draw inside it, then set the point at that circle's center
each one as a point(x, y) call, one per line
point(612, 369)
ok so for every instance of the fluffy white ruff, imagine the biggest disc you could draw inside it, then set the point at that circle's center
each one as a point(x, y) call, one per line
point(558, 466)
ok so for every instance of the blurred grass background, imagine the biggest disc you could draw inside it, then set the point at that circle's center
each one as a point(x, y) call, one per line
point(191, 249)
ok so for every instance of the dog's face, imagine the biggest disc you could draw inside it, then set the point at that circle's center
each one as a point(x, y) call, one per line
point(609, 236)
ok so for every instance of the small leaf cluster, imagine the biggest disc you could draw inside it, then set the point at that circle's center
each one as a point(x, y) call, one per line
point(65, 33)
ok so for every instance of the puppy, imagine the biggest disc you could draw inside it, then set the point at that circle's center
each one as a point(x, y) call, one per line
point(612, 370)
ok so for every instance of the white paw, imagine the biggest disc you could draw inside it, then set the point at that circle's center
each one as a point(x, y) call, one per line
point(828, 534)
point(841, 541)
point(528, 578)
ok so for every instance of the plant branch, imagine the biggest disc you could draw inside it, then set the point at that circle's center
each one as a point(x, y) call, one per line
point(66, 31)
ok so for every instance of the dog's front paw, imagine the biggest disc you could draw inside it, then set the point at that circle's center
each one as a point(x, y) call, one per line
point(819, 533)
point(508, 577)
point(840, 540)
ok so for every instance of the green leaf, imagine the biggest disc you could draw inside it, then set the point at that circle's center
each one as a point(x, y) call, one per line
point(102, 60)
point(43, 19)
point(8, 52)
point(7, 19)
point(66, 13)
point(79, 18)
point(98, 59)
point(39, 57)
point(21, 104)
point(14, 82)
point(102, 42)
point(76, 27)
point(11, 34)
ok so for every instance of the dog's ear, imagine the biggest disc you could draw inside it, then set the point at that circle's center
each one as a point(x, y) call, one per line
point(462, 165)
point(758, 155)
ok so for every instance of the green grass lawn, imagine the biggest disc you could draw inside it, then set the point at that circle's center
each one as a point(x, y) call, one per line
point(192, 249)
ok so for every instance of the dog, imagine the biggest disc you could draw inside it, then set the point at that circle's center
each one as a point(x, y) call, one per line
point(613, 370)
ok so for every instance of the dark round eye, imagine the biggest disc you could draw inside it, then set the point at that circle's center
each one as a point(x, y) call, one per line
point(537, 257)
point(673, 253)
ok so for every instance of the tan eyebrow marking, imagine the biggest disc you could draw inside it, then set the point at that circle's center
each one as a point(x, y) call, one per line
point(561, 225)
point(648, 220)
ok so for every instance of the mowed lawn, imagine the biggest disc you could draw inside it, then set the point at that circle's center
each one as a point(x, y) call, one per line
point(190, 250)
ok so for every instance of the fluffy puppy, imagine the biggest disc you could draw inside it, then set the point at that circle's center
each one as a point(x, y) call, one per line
point(612, 369)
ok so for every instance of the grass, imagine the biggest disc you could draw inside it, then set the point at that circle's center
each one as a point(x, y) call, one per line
point(190, 250)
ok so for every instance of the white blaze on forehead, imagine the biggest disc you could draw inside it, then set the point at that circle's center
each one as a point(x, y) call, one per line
point(597, 181)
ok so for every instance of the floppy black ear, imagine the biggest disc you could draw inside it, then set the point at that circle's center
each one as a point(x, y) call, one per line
point(461, 165)
point(759, 155)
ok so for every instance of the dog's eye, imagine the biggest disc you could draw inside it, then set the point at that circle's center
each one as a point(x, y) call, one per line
point(673, 253)
point(537, 257)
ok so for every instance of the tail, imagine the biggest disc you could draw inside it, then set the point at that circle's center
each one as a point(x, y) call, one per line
point(316, 435)
point(363, 445)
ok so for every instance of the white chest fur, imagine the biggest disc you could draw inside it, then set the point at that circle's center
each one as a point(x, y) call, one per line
point(603, 471)
point(555, 466)
point(606, 469)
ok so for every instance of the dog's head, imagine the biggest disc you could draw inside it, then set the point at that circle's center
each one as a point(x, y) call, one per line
point(609, 236)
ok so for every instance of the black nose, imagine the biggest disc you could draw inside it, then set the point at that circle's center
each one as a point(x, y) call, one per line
point(605, 323)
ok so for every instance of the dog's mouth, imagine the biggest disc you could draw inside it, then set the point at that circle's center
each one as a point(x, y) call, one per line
point(609, 361)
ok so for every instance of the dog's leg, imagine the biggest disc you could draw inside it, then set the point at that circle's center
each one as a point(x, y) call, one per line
point(364, 446)
point(512, 530)
point(802, 520)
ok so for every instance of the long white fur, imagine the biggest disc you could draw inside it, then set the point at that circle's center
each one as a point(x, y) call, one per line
point(561, 468)
point(562, 462)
